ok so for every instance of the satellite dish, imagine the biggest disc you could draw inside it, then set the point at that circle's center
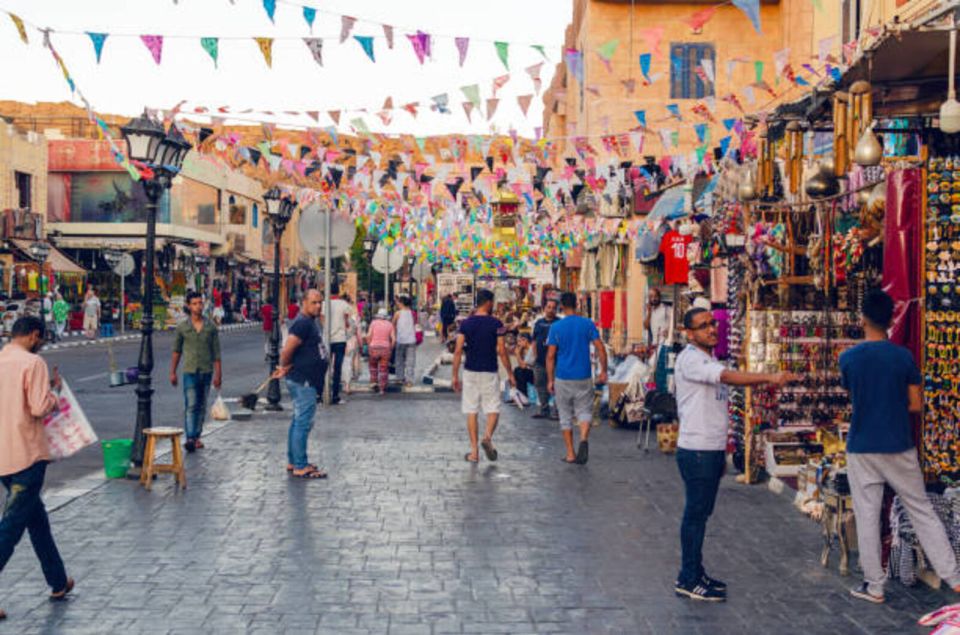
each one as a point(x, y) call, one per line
point(124, 266)
point(380, 259)
point(312, 228)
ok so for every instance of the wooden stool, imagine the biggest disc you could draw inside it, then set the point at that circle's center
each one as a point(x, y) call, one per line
point(150, 468)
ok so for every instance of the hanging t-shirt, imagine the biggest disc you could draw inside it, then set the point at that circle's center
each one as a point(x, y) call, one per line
point(32, 277)
point(675, 263)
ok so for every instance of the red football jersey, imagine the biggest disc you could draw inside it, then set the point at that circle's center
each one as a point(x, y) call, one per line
point(675, 264)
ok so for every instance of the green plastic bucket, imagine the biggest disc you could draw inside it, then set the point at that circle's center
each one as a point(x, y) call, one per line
point(116, 457)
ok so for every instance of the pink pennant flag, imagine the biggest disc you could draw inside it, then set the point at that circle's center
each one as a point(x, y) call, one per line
point(463, 43)
point(524, 101)
point(388, 104)
point(492, 107)
point(653, 36)
point(388, 33)
point(701, 17)
point(335, 115)
point(468, 110)
point(314, 114)
point(346, 26)
point(411, 108)
point(155, 44)
point(421, 44)
point(500, 82)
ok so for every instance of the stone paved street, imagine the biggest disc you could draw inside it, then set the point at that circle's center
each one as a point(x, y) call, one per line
point(406, 537)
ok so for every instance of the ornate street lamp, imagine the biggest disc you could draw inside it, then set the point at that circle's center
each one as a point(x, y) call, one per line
point(279, 210)
point(369, 246)
point(162, 152)
point(40, 250)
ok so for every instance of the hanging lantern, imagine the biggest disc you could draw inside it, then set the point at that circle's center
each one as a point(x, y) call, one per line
point(746, 188)
point(868, 151)
point(505, 216)
point(822, 184)
point(950, 109)
point(841, 140)
point(794, 155)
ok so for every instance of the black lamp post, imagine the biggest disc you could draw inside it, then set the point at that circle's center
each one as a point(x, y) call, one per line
point(280, 210)
point(369, 246)
point(162, 152)
point(40, 250)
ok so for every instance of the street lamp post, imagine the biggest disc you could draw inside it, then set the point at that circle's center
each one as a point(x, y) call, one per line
point(555, 267)
point(40, 250)
point(369, 246)
point(162, 154)
point(280, 211)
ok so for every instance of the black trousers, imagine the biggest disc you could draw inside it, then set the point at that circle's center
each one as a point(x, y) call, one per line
point(337, 352)
point(524, 377)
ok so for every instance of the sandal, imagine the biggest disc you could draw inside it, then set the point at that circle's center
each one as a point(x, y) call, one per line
point(198, 444)
point(489, 450)
point(290, 466)
point(3, 615)
point(466, 457)
point(568, 462)
point(309, 472)
point(60, 595)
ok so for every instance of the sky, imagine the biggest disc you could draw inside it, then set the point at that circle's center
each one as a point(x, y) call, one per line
point(127, 79)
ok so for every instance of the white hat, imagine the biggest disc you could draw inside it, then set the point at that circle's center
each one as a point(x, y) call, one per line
point(382, 313)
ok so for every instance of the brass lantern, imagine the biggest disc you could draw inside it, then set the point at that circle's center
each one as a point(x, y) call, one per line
point(505, 208)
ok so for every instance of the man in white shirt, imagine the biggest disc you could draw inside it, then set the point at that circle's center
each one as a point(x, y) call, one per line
point(341, 317)
point(658, 322)
point(702, 409)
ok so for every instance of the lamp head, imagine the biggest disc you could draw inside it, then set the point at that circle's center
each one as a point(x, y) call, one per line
point(143, 136)
point(950, 115)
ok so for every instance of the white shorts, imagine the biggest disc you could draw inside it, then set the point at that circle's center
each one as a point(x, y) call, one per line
point(481, 391)
point(90, 322)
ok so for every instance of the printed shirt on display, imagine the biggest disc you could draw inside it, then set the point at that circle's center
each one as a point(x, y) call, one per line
point(676, 266)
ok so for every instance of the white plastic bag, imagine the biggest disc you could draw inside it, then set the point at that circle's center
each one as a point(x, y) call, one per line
point(219, 411)
point(67, 429)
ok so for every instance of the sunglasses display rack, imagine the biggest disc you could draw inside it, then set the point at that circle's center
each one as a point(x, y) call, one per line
point(783, 422)
point(941, 352)
point(737, 399)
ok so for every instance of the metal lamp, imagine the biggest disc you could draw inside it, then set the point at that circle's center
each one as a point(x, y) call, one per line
point(280, 210)
point(143, 135)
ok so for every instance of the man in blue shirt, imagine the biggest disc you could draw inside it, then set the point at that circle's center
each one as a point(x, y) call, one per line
point(569, 374)
point(885, 387)
point(541, 328)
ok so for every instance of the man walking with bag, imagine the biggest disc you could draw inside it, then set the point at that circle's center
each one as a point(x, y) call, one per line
point(570, 374)
point(303, 366)
point(27, 393)
point(197, 342)
point(885, 387)
point(481, 335)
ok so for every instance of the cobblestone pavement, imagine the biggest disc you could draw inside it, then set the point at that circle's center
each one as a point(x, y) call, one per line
point(405, 537)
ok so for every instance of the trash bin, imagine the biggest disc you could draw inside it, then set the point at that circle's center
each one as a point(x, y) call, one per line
point(116, 457)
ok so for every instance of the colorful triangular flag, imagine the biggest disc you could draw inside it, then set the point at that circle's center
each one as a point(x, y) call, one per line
point(309, 14)
point(524, 101)
point(366, 42)
point(492, 107)
point(315, 45)
point(606, 51)
point(752, 9)
point(154, 44)
point(21, 30)
point(98, 39)
point(266, 49)
point(463, 43)
point(421, 44)
point(346, 26)
point(503, 49)
point(270, 6)
point(388, 34)
point(472, 93)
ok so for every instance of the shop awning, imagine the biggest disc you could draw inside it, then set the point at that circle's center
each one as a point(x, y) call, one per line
point(123, 243)
point(57, 260)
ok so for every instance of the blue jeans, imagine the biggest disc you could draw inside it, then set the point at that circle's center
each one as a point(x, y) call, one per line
point(196, 388)
point(701, 472)
point(304, 408)
point(24, 511)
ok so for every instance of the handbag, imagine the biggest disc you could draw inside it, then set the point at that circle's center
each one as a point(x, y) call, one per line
point(419, 335)
point(219, 411)
point(67, 429)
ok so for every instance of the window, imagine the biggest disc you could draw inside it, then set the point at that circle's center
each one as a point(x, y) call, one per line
point(23, 182)
point(685, 83)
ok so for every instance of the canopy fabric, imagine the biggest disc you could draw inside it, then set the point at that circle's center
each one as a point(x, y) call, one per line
point(57, 260)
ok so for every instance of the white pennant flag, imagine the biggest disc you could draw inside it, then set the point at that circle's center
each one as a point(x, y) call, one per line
point(709, 70)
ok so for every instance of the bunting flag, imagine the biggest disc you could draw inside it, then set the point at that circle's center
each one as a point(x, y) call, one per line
point(708, 68)
point(315, 45)
point(539, 49)
point(21, 30)
point(781, 59)
point(468, 110)
point(701, 130)
point(629, 85)
point(411, 108)
point(314, 114)
point(440, 103)
point(606, 51)
point(752, 10)
point(492, 107)
point(388, 34)
point(637, 139)
point(674, 110)
point(421, 44)
point(653, 37)
point(270, 6)
point(366, 43)
point(725, 146)
point(309, 15)
point(502, 52)
point(641, 116)
point(266, 48)
point(472, 93)
point(731, 99)
point(758, 70)
point(463, 43)
point(99, 38)
point(574, 60)
point(524, 101)
point(645, 60)
point(154, 44)
point(210, 44)
point(700, 18)
point(335, 115)
point(360, 125)
point(346, 26)
point(534, 73)
point(500, 82)
point(825, 47)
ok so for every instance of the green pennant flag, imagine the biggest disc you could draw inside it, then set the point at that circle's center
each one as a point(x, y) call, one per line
point(472, 93)
point(758, 69)
point(421, 142)
point(607, 49)
point(701, 151)
point(539, 49)
point(675, 138)
point(212, 46)
point(502, 49)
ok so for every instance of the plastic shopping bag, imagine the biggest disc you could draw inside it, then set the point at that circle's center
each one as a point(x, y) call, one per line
point(219, 411)
point(67, 429)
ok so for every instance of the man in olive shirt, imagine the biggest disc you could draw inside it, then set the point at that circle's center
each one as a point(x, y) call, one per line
point(198, 343)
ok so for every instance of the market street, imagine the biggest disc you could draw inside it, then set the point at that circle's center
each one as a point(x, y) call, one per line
point(406, 537)
point(112, 411)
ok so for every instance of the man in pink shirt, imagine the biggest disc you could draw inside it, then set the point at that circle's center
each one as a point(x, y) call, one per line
point(28, 394)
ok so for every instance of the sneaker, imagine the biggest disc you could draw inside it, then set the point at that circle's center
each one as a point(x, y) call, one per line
point(719, 585)
point(862, 592)
point(191, 446)
point(701, 592)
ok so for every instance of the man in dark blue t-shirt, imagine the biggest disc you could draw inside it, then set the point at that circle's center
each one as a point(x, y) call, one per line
point(301, 362)
point(481, 336)
point(541, 328)
point(885, 387)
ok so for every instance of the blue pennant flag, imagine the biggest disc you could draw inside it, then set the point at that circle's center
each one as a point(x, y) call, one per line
point(724, 146)
point(728, 123)
point(270, 6)
point(98, 40)
point(752, 9)
point(309, 14)
point(641, 116)
point(645, 59)
point(367, 43)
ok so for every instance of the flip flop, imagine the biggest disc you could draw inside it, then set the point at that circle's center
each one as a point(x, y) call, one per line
point(290, 466)
point(564, 459)
point(310, 474)
point(583, 453)
point(466, 457)
point(60, 595)
point(489, 450)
